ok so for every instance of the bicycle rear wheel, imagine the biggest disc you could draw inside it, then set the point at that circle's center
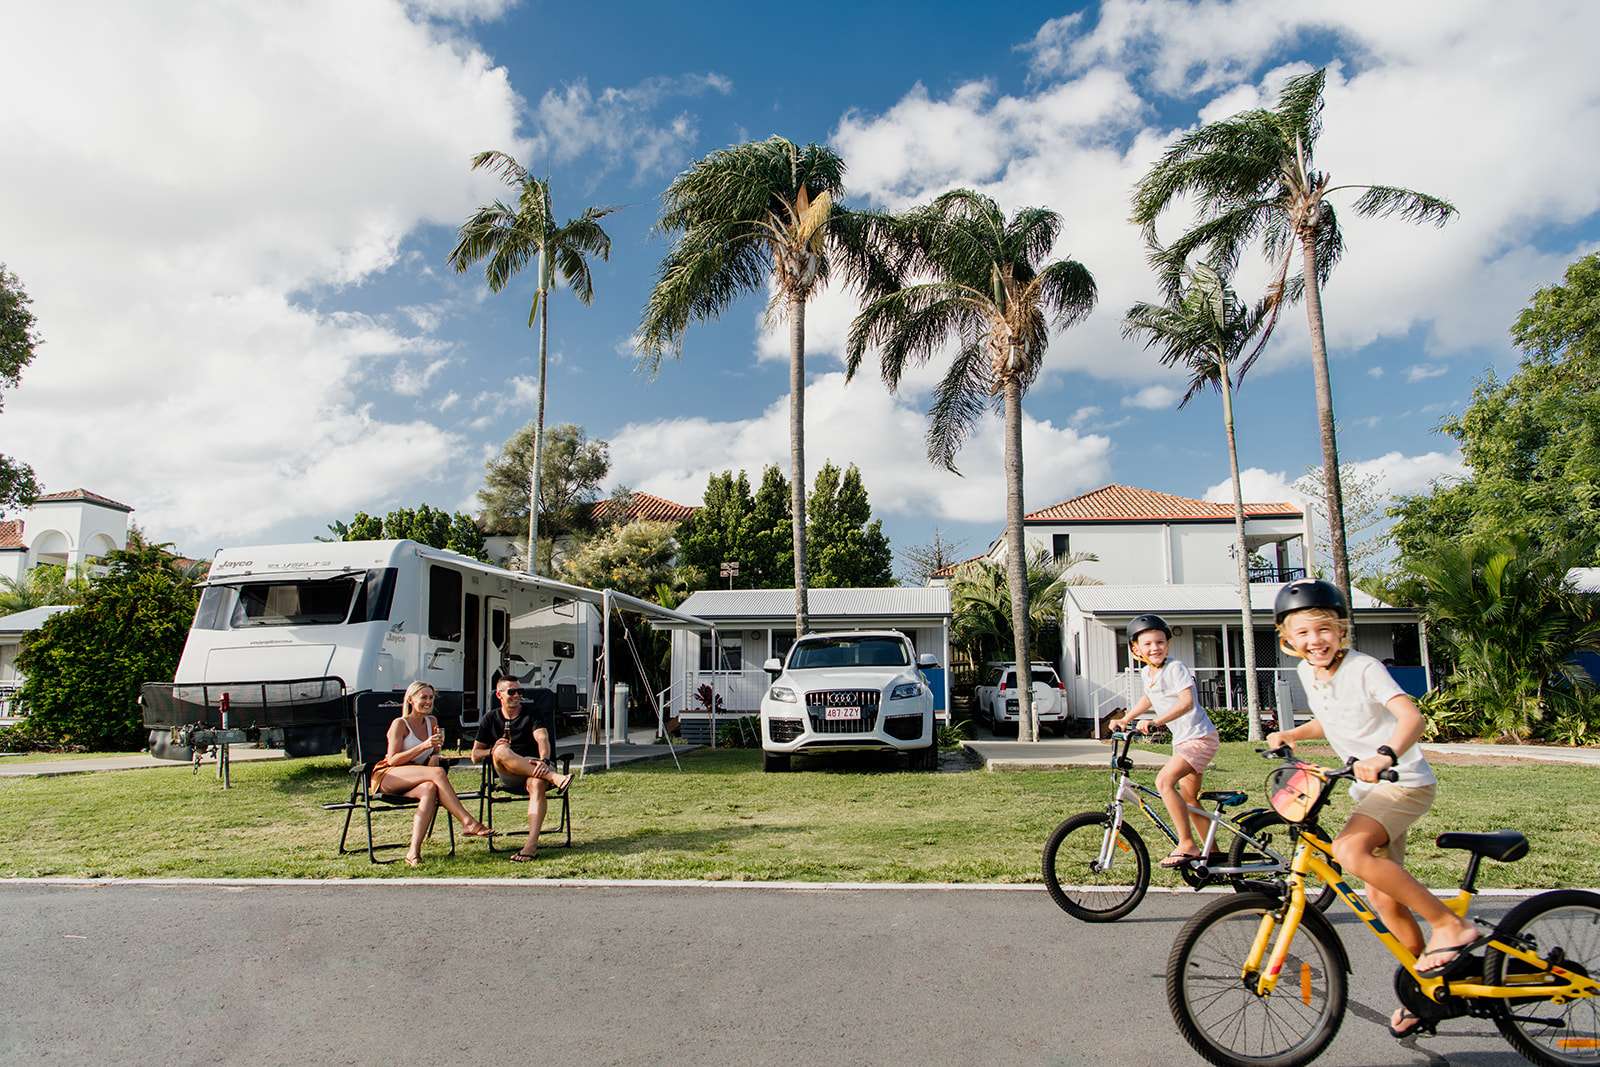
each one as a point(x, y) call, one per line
point(1078, 883)
point(1215, 1004)
point(1268, 828)
point(1558, 1036)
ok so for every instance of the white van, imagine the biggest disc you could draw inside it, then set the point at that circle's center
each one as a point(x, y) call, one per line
point(298, 636)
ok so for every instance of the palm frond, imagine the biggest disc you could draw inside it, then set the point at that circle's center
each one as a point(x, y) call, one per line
point(1382, 201)
point(1299, 109)
point(960, 400)
point(910, 325)
point(501, 163)
point(1067, 292)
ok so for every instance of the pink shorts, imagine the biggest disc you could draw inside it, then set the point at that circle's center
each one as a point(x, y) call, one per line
point(1198, 752)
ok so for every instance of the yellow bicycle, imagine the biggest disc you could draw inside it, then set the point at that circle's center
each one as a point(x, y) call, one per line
point(1259, 978)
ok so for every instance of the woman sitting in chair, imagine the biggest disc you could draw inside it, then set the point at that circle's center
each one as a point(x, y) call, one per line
point(414, 768)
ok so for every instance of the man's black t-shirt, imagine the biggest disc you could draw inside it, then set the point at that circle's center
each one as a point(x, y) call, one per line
point(519, 730)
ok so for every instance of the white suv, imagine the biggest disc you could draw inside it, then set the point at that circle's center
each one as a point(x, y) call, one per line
point(852, 691)
point(998, 704)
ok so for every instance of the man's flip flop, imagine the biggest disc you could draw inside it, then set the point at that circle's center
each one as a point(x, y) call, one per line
point(1178, 859)
point(522, 857)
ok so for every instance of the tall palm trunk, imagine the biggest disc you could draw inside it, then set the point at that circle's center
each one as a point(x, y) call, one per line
point(538, 426)
point(1017, 561)
point(1252, 693)
point(1332, 491)
point(797, 456)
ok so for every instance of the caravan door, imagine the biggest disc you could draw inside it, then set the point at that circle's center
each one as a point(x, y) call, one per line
point(487, 634)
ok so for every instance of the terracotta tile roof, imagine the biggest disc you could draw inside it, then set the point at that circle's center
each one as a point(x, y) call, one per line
point(647, 506)
point(1126, 503)
point(11, 533)
point(83, 495)
point(949, 569)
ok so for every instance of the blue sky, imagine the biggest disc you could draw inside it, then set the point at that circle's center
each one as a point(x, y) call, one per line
point(253, 332)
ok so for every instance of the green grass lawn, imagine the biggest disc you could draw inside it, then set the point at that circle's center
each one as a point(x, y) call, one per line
point(718, 818)
point(12, 760)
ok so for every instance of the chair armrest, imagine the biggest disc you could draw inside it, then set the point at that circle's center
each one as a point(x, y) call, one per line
point(565, 759)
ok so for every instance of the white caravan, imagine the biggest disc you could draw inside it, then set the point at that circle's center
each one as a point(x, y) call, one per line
point(298, 636)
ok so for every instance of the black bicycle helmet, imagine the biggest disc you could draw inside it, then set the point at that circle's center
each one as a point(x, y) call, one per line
point(1309, 593)
point(1141, 623)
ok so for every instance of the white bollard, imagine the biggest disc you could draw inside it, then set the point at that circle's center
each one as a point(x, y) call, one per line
point(619, 713)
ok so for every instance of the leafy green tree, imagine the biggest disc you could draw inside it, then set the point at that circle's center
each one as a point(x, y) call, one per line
point(768, 535)
point(634, 558)
point(424, 524)
point(1531, 443)
point(1510, 623)
point(992, 293)
point(717, 531)
point(1204, 329)
point(508, 237)
point(573, 468)
point(44, 585)
point(981, 619)
point(743, 217)
point(1253, 177)
point(18, 339)
point(83, 667)
point(848, 546)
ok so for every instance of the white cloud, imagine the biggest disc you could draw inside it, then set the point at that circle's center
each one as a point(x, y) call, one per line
point(409, 381)
point(620, 123)
point(461, 10)
point(1492, 145)
point(1152, 398)
point(860, 423)
point(236, 159)
point(1421, 372)
point(451, 399)
point(1397, 474)
point(1375, 372)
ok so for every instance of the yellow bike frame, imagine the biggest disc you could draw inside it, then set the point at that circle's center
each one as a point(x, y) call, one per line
point(1555, 985)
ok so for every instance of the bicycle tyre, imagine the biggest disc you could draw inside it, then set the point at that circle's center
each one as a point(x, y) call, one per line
point(1185, 977)
point(1060, 891)
point(1255, 826)
point(1522, 1035)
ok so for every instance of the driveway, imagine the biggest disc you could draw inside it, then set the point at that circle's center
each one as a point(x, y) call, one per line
point(424, 973)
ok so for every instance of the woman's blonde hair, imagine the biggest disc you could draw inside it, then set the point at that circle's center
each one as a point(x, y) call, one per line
point(1315, 613)
point(411, 694)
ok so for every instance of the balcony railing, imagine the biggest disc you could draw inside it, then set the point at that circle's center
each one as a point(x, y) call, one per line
point(1277, 574)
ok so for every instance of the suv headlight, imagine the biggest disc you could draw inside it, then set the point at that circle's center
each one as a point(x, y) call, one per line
point(906, 691)
point(783, 693)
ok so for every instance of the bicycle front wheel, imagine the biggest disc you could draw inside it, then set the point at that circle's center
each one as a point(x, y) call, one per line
point(1214, 1001)
point(1267, 828)
point(1080, 884)
point(1558, 1036)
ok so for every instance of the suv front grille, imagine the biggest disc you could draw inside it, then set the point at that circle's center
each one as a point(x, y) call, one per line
point(865, 699)
point(783, 731)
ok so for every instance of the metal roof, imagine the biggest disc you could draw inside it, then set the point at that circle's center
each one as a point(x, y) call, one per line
point(24, 621)
point(1191, 599)
point(877, 603)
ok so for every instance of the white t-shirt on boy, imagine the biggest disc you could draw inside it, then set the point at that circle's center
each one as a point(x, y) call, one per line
point(1164, 687)
point(1353, 708)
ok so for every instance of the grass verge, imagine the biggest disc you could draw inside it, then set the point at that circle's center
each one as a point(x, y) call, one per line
point(719, 818)
point(15, 759)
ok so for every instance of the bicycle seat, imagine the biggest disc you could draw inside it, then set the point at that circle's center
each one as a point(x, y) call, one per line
point(1503, 845)
point(1226, 798)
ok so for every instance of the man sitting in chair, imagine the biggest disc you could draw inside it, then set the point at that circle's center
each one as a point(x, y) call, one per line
point(519, 744)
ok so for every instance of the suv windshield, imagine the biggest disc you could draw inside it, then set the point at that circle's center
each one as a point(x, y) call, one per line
point(849, 652)
point(1038, 673)
point(302, 603)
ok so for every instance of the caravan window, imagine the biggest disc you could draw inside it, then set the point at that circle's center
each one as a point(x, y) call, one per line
point(444, 604)
point(322, 602)
point(375, 596)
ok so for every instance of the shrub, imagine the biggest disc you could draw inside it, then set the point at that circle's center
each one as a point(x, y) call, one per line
point(743, 732)
point(951, 734)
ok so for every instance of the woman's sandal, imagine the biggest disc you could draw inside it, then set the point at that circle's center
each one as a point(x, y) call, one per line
point(413, 861)
point(520, 856)
point(481, 831)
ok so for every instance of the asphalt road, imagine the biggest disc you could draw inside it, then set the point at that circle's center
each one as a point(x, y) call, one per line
point(423, 974)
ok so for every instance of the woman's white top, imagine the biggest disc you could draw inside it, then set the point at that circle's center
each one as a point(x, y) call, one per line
point(1165, 686)
point(1353, 708)
point(412, 740)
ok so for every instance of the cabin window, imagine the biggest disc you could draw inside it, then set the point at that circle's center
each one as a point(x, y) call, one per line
point(323, 602)
point(731, 653)
point(444, 604)
point(375, 596)
point(782, 642)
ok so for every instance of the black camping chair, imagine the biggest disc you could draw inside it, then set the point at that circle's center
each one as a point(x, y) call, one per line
point(541, 703)
point(372, 744)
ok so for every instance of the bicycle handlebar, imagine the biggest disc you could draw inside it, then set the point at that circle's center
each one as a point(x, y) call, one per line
point(1286, 752)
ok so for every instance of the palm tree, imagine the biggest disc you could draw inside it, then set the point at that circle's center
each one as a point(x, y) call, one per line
point(1252, 177)
point(44, 585)
point(1202, 329)
point(760, 212)
point(980, 602)
point(508, 237)
point(991, 294)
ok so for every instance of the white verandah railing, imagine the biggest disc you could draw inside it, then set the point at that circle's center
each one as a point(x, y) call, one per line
point(9, 711)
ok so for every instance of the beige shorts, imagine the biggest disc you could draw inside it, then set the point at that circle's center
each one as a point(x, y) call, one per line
point(1198, 752)
point(1395, 808)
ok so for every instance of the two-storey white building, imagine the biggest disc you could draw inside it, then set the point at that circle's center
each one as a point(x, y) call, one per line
point(1173, 555)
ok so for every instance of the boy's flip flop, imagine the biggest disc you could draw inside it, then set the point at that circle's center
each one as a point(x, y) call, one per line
point(1416, 1028)
point(1456, 957)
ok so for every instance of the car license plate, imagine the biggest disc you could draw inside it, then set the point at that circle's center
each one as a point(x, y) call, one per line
point(843, 713)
